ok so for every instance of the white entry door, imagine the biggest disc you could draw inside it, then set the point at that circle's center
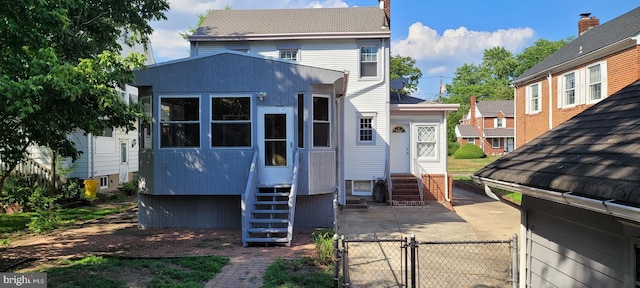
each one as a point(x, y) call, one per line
point(400, 149)
point(124, 163)
point(275, 145)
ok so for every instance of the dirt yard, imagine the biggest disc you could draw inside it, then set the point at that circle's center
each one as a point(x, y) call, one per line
point(119, 235)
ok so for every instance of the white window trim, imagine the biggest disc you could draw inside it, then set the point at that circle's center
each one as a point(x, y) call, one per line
point(297, 52)
point(562, 98)
point(186, 122)
point(355, 192)
point(497, 121)
point(603, 82)
point(378, 56)
point(251, 120)
point(436, 142)
point(374, 120)
point(104, 180)
point(473, 140)
point(330, 116)
point(493, 140)
point(529, 109)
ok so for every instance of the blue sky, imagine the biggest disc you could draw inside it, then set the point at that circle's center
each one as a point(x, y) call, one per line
point(440, 35)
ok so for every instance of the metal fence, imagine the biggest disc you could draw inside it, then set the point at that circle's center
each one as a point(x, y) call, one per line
point(409, 263)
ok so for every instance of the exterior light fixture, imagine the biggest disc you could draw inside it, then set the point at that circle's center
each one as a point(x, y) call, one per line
point(261, 95)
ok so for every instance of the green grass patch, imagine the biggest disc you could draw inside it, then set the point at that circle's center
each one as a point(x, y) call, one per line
point(304, 272)
point(97, 272)
point(514, 197)
point(469, 165)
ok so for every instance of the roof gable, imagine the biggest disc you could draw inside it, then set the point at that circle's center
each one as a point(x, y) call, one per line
point(292, 23)
point(623, 27)
point(492, 108)
point(595, 153)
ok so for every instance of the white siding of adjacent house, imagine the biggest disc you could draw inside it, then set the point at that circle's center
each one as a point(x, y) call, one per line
point(431, 166)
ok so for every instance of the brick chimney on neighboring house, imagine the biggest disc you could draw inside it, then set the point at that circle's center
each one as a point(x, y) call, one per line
point(587, 22)
point(386, 5)
point(472, 112)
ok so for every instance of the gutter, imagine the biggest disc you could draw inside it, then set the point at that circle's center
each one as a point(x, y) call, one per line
point(607, 207)
point(298, 36)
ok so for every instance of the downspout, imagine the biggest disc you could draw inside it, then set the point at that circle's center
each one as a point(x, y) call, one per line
point(550, 81)
point(92, 145)
point(446, 169)
point(515, 116)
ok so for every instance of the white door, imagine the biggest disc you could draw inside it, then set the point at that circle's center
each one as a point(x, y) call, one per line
point(509, 145)
point(275, 145)
point(124, 163)
point(400, 149)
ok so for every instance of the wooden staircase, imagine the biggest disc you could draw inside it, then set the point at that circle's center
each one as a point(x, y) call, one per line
point(270, 221)
point(405, 191)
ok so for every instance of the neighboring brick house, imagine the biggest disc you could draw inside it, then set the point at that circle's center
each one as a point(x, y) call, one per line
point(599, 62)
point(489, 125)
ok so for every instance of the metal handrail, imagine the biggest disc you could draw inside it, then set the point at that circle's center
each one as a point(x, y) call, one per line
point(292, 196)
point(248, 197)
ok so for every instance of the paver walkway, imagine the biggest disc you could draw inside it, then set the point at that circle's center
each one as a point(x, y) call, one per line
point(241, 272)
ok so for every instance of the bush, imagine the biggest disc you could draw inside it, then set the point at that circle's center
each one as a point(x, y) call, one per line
point(469, 151)
point(130, 188)
point(452, 147)
point(17, 189)
point(45, 207)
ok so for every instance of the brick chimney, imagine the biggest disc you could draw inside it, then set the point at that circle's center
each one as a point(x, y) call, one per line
point(587, 22)
point(386, 5)
point(472, 110)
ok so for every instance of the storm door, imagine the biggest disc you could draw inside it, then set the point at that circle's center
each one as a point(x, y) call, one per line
point(275, 145)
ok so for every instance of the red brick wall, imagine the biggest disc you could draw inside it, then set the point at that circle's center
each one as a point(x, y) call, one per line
point(434, 187)
point(623, 68)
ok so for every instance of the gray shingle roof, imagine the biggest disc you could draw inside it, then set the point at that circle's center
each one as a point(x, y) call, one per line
point(498, 132)
point(491, 108)
point(622, 27)
point(595, 154)
point(399, 98)
point(467, 131)
point(247, 23)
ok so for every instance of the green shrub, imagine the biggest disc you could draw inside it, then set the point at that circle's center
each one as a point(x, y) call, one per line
point(469, 151)
point(130, 188)
point(45, 218)
point(452, 147)
point(16, 190)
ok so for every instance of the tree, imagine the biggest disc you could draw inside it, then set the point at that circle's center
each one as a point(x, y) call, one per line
point(59, 69)
point(540, 50)
point(404, 67)
point(201, 18)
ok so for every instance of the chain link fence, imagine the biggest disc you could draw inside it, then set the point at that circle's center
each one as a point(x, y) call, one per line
point(408, 263)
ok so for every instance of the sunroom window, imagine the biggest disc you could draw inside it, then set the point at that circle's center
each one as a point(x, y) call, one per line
point(180, 121)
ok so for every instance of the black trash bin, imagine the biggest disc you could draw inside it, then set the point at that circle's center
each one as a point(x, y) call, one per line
point(380, 192)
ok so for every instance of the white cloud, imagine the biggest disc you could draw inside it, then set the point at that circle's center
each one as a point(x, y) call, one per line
point(168, 45)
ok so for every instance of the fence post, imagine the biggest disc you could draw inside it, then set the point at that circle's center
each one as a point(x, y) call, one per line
point(346, 282)
point(514, 261)
point(406, 264)
point(335, 213)
point(336, 262)
point(413, 260)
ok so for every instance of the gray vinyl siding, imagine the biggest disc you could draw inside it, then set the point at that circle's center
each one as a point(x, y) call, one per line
point(314, 211)
point(223, 171)
point(189, 211)
point(572, 247)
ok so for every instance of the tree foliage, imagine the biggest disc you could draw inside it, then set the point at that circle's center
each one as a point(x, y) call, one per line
point(404, 67)
point(490, 80)
point(59, 69)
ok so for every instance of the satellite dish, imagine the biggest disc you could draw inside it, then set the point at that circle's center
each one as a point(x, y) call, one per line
point(398, 83)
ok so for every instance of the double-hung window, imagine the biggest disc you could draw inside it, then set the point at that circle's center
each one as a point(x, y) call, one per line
point(569, 89)
point(595, 82)
point(495, 142)
point(533, 98)
point(321, 122)
point(369, 61)
point(231, 121)
point(499, 123)
point(366, 128)
point(179, 122)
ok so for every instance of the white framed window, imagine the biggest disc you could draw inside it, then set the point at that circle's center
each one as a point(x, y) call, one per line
point(499, 123)
point(533, 98)
point(569, 89)
point(597, 82)
point(107, 132)
point(123, 152)
point(471, 140)
point(179, 121)
point(145, 124)
point(369, 60)
point(289, 54)
point(427, 142)
point(104, 182)
point(362, 188)
point(231, 121)
point(495, 142)
point(321, 121)
point(366, 128)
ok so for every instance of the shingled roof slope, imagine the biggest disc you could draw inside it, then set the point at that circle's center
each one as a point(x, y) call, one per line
point(467, 131)
point(595, 154)
point(622, 27)
point(272, 22)
point(491, 108)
